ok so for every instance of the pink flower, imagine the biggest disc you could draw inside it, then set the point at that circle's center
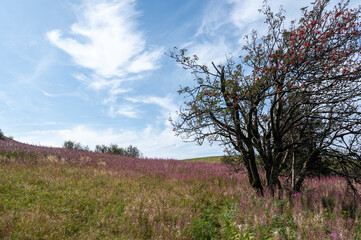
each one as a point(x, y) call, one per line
point(335, 236)
point(296, 194)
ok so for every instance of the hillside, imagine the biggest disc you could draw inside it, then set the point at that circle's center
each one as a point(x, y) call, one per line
point(69, 194)
point(214, 159)
point(7, 139)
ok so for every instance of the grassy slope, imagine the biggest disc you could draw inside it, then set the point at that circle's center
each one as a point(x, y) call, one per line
point(57, 200)
point(62, 202)
point(215, 159)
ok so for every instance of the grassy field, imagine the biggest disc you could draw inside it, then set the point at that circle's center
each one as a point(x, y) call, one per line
point(49, 193)
point(215, 159)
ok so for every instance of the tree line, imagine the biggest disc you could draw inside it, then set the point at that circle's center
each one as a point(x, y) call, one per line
point(131, 151)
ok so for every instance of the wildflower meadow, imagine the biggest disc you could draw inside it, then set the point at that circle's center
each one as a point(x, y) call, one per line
point(56, 193)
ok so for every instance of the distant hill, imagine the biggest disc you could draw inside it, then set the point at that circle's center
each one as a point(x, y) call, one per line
point(214, 159)
point(4, 138)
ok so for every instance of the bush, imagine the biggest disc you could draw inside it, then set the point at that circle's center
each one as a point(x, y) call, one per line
point(74, 145)
point(1, 134)
point(133, 151)
point(101, 148)
point(114, 149)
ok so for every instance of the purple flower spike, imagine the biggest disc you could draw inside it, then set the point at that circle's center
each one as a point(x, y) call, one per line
point(296, 194)
point(335, 236)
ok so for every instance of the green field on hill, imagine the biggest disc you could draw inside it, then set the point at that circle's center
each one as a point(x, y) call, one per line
point(215, 159)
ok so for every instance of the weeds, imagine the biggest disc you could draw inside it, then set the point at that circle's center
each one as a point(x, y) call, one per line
point(65, 194)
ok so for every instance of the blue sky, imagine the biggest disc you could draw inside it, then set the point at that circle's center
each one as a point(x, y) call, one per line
point(94, 71)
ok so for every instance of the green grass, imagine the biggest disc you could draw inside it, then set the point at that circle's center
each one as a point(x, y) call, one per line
point(63, 202)
point(215, 159)
point(57, 200)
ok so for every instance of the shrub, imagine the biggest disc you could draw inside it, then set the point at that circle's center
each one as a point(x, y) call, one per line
point(74, 145)
point(115, 149)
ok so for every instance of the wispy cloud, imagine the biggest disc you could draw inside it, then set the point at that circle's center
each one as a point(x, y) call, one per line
point(211, 50)
point(225, 24)
point(40, 67)
point(215, 15)
point(215, 36)
point(164, 102)
point(56, 95)
point(245, 13)
point(110, 42)
point(107, 40)
point(5, 99)
point(123, 110)
point(166, 105)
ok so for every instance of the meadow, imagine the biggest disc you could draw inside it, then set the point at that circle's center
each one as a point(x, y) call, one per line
point(55, 193)
point(214, 159)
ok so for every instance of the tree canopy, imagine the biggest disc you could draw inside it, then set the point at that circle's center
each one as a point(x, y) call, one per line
point(131, 151)
point(114, 149)
point(69, 144)
point(293, 98)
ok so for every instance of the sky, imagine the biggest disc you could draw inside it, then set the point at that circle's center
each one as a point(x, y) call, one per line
point(95, 72)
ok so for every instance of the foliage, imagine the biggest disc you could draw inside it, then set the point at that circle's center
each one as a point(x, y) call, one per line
point(63, 193)
point(1, 134)
point(114, 149)
point(75, 145)
point(293, 99)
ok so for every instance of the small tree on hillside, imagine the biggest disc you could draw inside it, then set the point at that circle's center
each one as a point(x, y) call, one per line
point(101, 148)
point(114, 149)
point(74, 145)
point(294, 99)
point(133, 151)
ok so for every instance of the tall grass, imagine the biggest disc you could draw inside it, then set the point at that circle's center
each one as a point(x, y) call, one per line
point(53, 193)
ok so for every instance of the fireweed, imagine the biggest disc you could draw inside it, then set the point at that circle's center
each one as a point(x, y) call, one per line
point(50, 192)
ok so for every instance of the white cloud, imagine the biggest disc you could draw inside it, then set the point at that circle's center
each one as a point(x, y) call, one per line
point(225, 24)
point(165, 102)
point(123, 110)
point(112, 45)
point(152, 142)
point(56, 95)
point(107, 40)
point(215, 15)
point(167, 106)
point(245, 13)
point(145, 62)
point(208, 51)
point(113, 85)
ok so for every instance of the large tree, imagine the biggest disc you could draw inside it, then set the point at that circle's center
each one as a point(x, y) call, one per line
point(293, 99)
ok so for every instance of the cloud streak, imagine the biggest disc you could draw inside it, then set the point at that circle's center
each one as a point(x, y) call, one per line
point(225, 24)
point(105, 39)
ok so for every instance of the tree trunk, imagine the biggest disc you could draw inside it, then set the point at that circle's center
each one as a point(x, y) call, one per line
point(272, 173)
point(293, 174)
point(253, 175)
point(306, 166)
point(273, 181)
